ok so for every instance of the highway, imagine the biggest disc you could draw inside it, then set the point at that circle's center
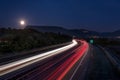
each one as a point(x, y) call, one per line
point(76, 61)
point(95, 66)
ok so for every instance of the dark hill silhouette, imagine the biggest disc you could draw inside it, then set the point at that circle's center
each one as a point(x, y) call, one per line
point(75, 32)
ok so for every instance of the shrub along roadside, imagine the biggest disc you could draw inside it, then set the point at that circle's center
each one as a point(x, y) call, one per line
point(16, 40)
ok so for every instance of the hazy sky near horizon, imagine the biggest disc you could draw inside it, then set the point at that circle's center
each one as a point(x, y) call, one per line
point(97, 15)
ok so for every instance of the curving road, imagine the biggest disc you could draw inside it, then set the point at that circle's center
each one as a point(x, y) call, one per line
point(76, 61)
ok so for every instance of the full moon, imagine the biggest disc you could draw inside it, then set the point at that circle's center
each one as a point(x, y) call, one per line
point(22, 22)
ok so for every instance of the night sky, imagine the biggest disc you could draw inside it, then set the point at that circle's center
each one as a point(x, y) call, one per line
point(97, 15)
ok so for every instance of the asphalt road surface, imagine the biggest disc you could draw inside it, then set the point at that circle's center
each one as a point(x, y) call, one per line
point(80, 62)
point(95, 66)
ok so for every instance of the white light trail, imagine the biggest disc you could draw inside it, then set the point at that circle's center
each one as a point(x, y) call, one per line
point(7, 68)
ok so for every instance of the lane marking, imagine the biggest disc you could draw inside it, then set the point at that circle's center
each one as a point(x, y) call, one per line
point(79, 64)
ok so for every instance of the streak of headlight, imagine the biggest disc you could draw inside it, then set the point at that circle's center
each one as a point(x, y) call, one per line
point(7, 68)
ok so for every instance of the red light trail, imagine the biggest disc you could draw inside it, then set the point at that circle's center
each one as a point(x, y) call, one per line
point(62, 70)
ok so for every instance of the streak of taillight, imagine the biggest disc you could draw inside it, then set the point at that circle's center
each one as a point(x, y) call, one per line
point(62, 70)
point(78, 56)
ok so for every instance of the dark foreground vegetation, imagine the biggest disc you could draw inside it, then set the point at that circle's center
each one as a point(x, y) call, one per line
point(105, 41)
point(111, 43)
point(16, 40)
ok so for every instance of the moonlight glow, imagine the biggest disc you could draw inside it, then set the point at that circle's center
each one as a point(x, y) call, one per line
point(22, 22)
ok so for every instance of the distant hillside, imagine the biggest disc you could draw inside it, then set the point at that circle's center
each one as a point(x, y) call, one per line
point(111, 34)
point(117, 33)
point(75, 32)
point(84, 33)
point(71, 32)
point(54, 29)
